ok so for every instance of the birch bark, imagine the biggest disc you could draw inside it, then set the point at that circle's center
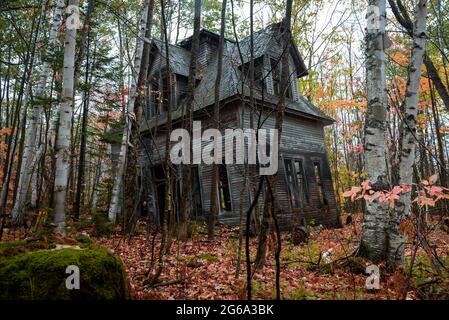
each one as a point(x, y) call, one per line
point(374, 236)
point(65, 120)
point(115, 198)
point(26, 168)
point(409, 134)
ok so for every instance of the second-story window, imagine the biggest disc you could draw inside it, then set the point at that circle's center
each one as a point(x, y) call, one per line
point(155, 99)
point(165, 92)
point(276, 71)
point(258, 73)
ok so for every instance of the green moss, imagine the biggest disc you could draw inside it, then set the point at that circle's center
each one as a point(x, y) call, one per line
point(41, 275)
point(83, 240)
point(207, 257)
point(112, 137)
point(201, 256)
point(102, 226)
point(193, 229)
point(299, 293)
point(84, 222)
point(12, 248)
point(355, 265)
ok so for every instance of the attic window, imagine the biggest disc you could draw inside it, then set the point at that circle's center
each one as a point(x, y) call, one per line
point(275, 67)
point(258, 73)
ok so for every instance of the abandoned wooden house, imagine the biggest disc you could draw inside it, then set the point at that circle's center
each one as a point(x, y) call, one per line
point(304, 190)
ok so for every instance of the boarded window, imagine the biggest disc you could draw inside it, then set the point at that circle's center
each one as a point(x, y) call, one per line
point(319, 183)
point(296, 182)
point(223, 189)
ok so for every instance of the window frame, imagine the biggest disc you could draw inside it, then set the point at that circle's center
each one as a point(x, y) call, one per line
point(318, 177)
point(297, 198)
point(276, 75)
point(220, 188)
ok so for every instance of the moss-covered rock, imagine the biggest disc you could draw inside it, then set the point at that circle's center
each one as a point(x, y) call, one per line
point(42, 275)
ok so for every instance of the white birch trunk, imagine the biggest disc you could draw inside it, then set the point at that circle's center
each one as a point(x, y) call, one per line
point(65, 118)
point(27, 166)
point(34, 189)
point(115, 198)
point(374, 237)
point(409, 134)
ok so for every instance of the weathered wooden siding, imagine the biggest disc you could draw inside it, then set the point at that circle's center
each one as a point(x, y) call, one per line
point(301, 139)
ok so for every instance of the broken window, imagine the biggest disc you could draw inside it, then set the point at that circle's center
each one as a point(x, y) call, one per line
point(196, 194)
point(165, 91)
point(159, 94)
point(182, 83)
point(296, 182)
point(155, 95)
point(276, 71)
point(319, 183)
point(258, 73)
point(223, 189)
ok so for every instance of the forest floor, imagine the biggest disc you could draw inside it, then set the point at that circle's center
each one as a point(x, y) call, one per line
point(317, 269)
point(323, 267)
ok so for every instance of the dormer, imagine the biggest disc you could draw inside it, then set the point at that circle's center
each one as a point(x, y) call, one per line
point(267, 55)
point(208, 45)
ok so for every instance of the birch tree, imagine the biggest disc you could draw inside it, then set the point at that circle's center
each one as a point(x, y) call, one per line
point(27, 167)
point(115, 198)
point(375, 224)
point(381, 238)
point(408, 133)
point(63, 140)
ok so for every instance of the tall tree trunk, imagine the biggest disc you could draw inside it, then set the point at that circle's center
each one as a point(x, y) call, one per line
point(405, 21)
point(77, 204)
point(188, 105)
point(27, 167)
point(374, 236)
point(214, 186)
point(268, 209)
point(409, 135)
point(65, 120)
point(131, 185)
point(168, 208)
point(84, 44)
point(130, 116)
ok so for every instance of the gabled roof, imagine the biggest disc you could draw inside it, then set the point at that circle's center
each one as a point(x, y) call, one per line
point(204, 34)
point(179, 57)
point(266, 38)
point(231, 84)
